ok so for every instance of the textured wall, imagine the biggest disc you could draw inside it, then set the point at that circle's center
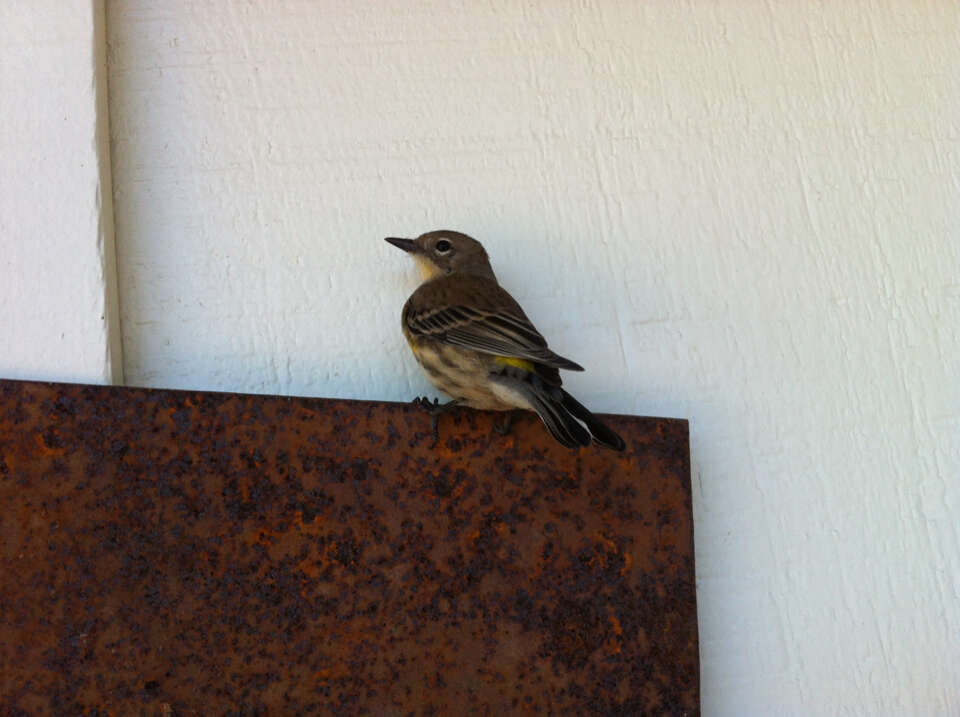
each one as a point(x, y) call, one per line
point(742, 213)
point(57, 287)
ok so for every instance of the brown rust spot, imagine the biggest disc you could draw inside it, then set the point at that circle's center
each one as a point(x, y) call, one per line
point(178, 553)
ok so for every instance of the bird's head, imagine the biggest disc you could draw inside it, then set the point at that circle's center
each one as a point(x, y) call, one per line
point(443, 252)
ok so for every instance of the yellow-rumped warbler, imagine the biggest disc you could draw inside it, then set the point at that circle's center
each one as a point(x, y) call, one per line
point(476, 344)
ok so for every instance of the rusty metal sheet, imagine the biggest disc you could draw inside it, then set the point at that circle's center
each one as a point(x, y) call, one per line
point(183, 553)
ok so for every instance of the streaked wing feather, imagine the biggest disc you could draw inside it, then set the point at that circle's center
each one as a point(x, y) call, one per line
point(497, 326)
point(489, 342)
point(482, 330)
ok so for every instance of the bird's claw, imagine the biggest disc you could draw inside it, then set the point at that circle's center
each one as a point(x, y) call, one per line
point(425, 403)
point(434, 408)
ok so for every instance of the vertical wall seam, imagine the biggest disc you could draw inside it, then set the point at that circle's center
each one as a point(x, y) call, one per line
point(107, 233)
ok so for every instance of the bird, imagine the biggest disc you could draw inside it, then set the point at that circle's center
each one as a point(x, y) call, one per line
point(477, 345)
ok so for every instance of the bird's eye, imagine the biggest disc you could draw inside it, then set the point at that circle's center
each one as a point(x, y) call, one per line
point(443, 246)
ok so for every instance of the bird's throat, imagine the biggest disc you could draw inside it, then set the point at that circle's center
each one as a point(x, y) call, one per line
point(428, 270)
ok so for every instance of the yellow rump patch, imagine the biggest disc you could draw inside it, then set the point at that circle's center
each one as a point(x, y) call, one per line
point(518, 362)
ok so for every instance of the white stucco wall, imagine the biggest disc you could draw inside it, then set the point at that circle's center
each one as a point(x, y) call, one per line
point(57, 276)
point(745, 214)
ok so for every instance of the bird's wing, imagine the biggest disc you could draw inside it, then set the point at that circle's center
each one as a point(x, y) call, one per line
point(478, 314)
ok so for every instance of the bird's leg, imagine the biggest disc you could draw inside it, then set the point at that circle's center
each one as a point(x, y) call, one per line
point(434, 409)
point(503, 428)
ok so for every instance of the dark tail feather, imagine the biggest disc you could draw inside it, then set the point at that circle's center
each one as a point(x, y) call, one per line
point(560, 412)
point(601, 433)
point(562, 426)
point(547, 402)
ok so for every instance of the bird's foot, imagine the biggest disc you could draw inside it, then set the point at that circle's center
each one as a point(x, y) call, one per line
point(430, 407)
point(434, 408)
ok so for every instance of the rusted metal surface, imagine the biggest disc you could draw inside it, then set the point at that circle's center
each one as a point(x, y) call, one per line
point(180, 553)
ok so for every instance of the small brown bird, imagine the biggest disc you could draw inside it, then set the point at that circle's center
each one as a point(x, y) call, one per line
point(477, 346)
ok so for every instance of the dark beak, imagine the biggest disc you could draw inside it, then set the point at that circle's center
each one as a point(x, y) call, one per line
point(405, 244)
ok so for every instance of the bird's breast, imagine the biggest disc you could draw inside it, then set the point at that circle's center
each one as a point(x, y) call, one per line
point(459, 373)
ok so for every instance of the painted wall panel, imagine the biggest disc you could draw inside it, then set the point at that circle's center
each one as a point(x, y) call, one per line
point(741, 213)
point(57, 291)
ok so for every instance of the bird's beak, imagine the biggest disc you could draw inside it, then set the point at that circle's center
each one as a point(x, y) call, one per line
point(408, 245)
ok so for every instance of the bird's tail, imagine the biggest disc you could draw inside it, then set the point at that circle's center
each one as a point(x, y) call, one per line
point(602, 434)
point(568, 421)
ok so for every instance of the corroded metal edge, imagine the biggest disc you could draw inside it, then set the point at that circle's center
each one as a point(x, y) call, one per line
point(181, 552)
